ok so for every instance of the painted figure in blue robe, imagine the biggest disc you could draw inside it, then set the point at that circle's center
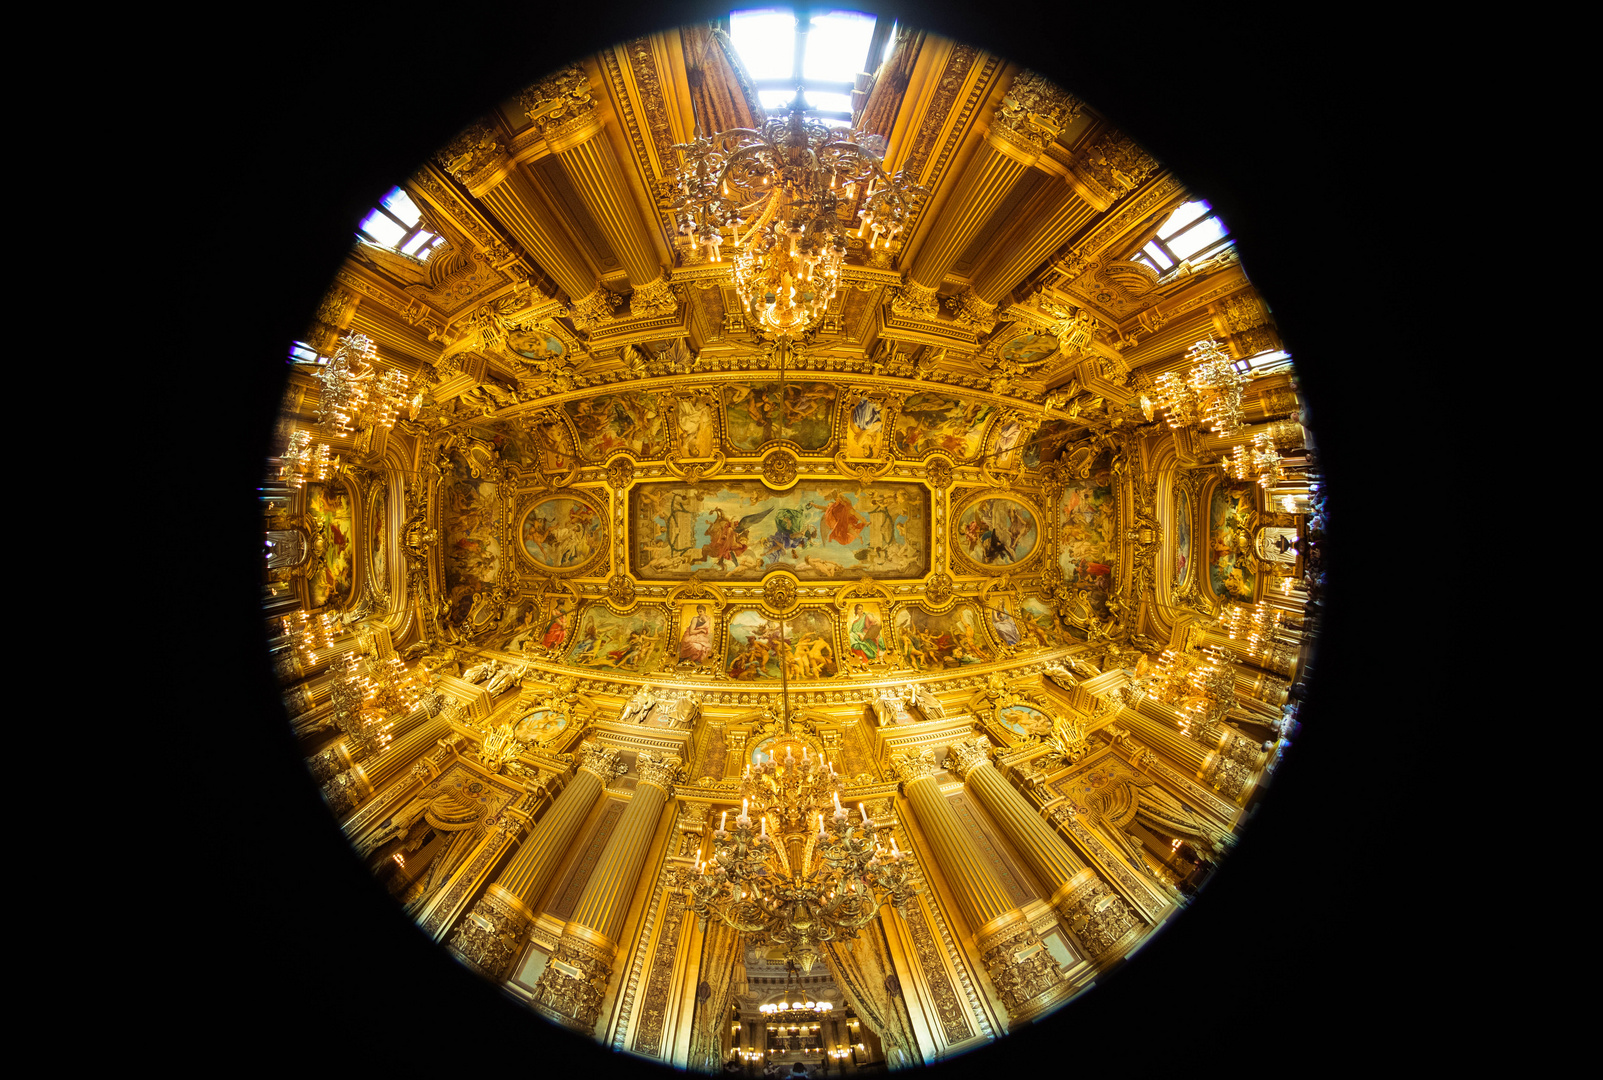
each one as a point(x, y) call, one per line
point(790, 534)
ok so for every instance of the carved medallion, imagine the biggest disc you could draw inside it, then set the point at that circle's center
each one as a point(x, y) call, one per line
point(620, 470)
point(779, 469)
point(621, 590)
point(779, 593)
point(939, 473)
point(939, 589)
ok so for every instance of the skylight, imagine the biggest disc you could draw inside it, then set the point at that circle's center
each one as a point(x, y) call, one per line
point(1192, 233)
point(824, 60)
point(397, 223)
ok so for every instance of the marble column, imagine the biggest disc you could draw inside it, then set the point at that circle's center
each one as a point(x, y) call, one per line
point(1099, 920)
point(1025, 975)
point(491, 936)
point(573, 984)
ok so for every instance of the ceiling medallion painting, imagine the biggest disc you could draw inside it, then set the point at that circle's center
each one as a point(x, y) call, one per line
point(790, 605)
point(741, 530)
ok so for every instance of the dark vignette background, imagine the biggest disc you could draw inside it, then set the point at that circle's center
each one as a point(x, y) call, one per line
point(1294, 954)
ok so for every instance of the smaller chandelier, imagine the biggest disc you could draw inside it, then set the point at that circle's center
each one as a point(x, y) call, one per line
point(355, 393)
point(1209, 397)
point(787, 195)
point(1259, 461)
point(1199, 686)
point(310, 634)
point(1250, 624)
point(305, 459)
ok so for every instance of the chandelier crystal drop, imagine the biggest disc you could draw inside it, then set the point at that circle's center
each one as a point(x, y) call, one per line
point(797, 869)
point(1209, 397)
point(785, 197)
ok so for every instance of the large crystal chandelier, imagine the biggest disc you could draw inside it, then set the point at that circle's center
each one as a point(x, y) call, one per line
point(797, 869)
point(1209, 396)
point(355, 393)
point(787, 195)
point(1257, 461)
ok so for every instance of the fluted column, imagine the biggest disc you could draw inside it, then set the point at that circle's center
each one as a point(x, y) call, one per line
point(346, 790)
point(518, 206)
point(1165, 737)
point(570, 989)
point(1026, 977)
point(1101, 923)
point(491, 936)
point(1067, 214)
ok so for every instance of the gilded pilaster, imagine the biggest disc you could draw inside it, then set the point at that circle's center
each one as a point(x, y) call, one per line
point(990, 175)
point(1026, 977)
point(1065, 216)
point(571, 988)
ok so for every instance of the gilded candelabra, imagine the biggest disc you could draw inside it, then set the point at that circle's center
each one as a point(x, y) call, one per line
point(819, 876)
point(305, 459)
point(787, 195)
point(1200, 685)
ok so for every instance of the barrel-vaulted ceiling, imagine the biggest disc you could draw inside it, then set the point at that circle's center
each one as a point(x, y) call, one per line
point(953, 468)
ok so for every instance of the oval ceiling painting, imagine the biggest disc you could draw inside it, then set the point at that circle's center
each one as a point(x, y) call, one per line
point(669, 418)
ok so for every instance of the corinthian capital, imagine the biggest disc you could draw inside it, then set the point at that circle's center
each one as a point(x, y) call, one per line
point(557, 97)
point(915, 301)
point(601, 760)
point(475, 151)
point(964, 757)
point(653, 299)
point(659, 771)
point(1036, 109)
point(912, 766)
point(597, 308)
point(972, 312)
point(1115, 164)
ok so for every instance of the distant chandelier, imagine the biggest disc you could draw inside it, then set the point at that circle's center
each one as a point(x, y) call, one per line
point(1249, 627)
point(305, 459)
point(795, 187)
point(369, 696)
point(792, 1011)
point(1209, 396)
point(819, 876)
point(1258, 461)
point(1199, 686)
point(354, 391)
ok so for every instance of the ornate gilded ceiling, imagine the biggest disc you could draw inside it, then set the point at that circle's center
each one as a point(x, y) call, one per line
point(608, 471)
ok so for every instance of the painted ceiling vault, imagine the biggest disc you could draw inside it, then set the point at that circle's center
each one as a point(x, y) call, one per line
point(612, 512)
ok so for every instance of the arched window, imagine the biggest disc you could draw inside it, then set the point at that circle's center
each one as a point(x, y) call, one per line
point(396, 223)
point(1191, 234)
